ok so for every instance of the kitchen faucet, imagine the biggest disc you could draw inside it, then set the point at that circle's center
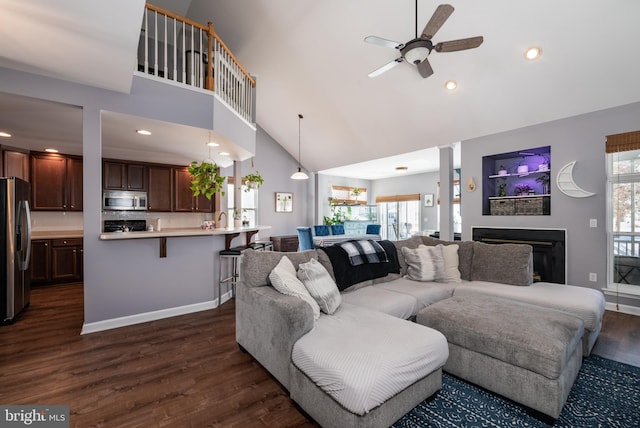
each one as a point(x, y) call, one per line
point(220, 217)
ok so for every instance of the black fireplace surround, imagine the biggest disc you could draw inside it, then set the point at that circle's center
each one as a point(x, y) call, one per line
point(549, 249)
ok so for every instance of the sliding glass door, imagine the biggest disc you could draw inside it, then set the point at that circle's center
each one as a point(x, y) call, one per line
point(399, 219)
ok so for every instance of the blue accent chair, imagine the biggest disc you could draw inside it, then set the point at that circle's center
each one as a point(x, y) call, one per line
point(305, 239)
point(337, 229)
point(321, 230)
point(373, 229)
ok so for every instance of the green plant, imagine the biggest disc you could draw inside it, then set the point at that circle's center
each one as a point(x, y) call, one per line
point(253, 181)
point(206, 179)
point(356, 192)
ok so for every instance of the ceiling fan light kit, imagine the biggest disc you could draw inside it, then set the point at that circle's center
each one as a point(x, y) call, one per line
point(417, 50)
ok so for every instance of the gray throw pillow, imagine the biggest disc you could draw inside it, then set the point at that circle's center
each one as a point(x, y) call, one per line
point(320, 285)
point(424, 263)
point(284, 279)
point(504, 263)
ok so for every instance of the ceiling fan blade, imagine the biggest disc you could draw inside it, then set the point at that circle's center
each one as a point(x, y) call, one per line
point(424, 68)
point(386, 67)
point(383, 42)
point(438, 18)
point(459, 45)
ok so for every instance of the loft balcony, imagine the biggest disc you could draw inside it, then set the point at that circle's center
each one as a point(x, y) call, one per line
point(180, 50)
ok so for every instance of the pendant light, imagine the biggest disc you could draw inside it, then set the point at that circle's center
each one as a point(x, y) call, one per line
point(299, 175)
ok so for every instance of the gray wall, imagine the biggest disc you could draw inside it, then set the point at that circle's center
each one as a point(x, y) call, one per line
point(276, 166)
point(579, 139)
point(127, 278)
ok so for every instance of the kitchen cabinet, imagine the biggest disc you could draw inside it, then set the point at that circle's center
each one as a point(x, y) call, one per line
point(183, 199)
point(124, 176)
point(15, 163)
point(160, 189)
point(56, 182)
point(40, 260)
point(56, 260)
point(287, 243)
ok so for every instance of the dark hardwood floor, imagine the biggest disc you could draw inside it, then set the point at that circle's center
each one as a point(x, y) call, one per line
point(184, 371)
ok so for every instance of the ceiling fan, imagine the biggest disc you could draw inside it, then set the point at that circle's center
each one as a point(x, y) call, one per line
point(417, 50)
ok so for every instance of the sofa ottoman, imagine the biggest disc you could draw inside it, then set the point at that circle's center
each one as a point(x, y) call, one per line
point(526, 353)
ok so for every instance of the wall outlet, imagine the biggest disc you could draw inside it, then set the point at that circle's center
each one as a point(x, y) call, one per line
point(593, 277)
point(593, 222)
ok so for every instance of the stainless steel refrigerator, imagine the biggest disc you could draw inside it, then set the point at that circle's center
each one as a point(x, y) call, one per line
point(15, 246)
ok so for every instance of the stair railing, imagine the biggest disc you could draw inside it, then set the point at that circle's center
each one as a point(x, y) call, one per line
point(176, 48)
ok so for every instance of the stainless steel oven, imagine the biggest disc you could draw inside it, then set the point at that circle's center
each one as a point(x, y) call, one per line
point(123, 200)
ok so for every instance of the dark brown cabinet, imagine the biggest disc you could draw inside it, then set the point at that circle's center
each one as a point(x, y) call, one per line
point(124, 176)
point(183, 200)
point(288, 243)
point(40, 261)
point(160, 189)
point(56, 260)
point(56, 182)
point(15, 163)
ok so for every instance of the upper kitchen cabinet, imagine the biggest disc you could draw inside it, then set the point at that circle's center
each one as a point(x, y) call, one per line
point(56, 182)
point(160, 189)
point(183, 195)
point(15, 163)
point(124, 176)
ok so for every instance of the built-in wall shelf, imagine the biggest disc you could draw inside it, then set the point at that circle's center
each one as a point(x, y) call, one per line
point(517, 183)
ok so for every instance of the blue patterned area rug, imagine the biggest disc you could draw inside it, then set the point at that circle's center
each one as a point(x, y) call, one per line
point(605, 394)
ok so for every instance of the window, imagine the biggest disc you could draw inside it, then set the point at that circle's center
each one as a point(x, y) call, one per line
point(623, 201)
point(249, 203)
point(346, 195)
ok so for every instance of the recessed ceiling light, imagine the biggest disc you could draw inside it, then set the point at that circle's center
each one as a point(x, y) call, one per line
point(51, 150)
point(401, 169)
point(143, 132)
point(212, 144)
point(5, 134)
point(533, 53)
point(224, 153)
point(451, 85)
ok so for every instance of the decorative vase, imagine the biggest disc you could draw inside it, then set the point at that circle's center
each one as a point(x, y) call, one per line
point(237, 223)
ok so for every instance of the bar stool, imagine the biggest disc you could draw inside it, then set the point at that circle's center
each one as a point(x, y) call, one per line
point(229, 259)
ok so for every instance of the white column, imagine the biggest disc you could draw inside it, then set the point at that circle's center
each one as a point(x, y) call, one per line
point(446, 193)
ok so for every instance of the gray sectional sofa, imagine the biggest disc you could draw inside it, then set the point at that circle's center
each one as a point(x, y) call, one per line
point(377, 309)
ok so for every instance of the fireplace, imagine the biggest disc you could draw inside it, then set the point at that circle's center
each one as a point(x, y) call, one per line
point(549, 249)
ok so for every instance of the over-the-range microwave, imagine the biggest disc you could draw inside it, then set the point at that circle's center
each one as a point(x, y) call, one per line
point(124, 200)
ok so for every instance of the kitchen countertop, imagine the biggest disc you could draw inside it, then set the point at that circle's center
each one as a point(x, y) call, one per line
point(175, 232)
point(56, 234)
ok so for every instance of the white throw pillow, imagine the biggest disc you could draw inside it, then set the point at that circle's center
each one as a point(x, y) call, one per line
point(284, 279)
point(451, 262)
point(424, 263)
point(322, 288)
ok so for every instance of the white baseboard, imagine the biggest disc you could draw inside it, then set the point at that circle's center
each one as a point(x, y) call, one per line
point(625, 309)
point(151, 316)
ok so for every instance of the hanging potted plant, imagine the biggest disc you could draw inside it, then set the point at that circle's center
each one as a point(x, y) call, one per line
point(206, 179)
point(253, 181)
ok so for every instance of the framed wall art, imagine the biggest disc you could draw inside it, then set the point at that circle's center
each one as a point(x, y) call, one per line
point(284, 202)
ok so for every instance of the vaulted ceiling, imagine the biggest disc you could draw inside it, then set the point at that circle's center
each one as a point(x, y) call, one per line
point(309, 57)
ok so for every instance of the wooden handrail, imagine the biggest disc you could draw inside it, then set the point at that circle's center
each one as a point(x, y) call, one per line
point(211, 32)
point(176, 16)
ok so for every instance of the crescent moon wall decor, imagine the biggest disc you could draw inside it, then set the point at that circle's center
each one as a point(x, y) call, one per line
point(567, 185)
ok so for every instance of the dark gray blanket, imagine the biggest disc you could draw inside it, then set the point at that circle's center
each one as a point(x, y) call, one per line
point(347, 275)
point(364, 251)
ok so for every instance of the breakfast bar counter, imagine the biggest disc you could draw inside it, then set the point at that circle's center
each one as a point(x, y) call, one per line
point(229, 234)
